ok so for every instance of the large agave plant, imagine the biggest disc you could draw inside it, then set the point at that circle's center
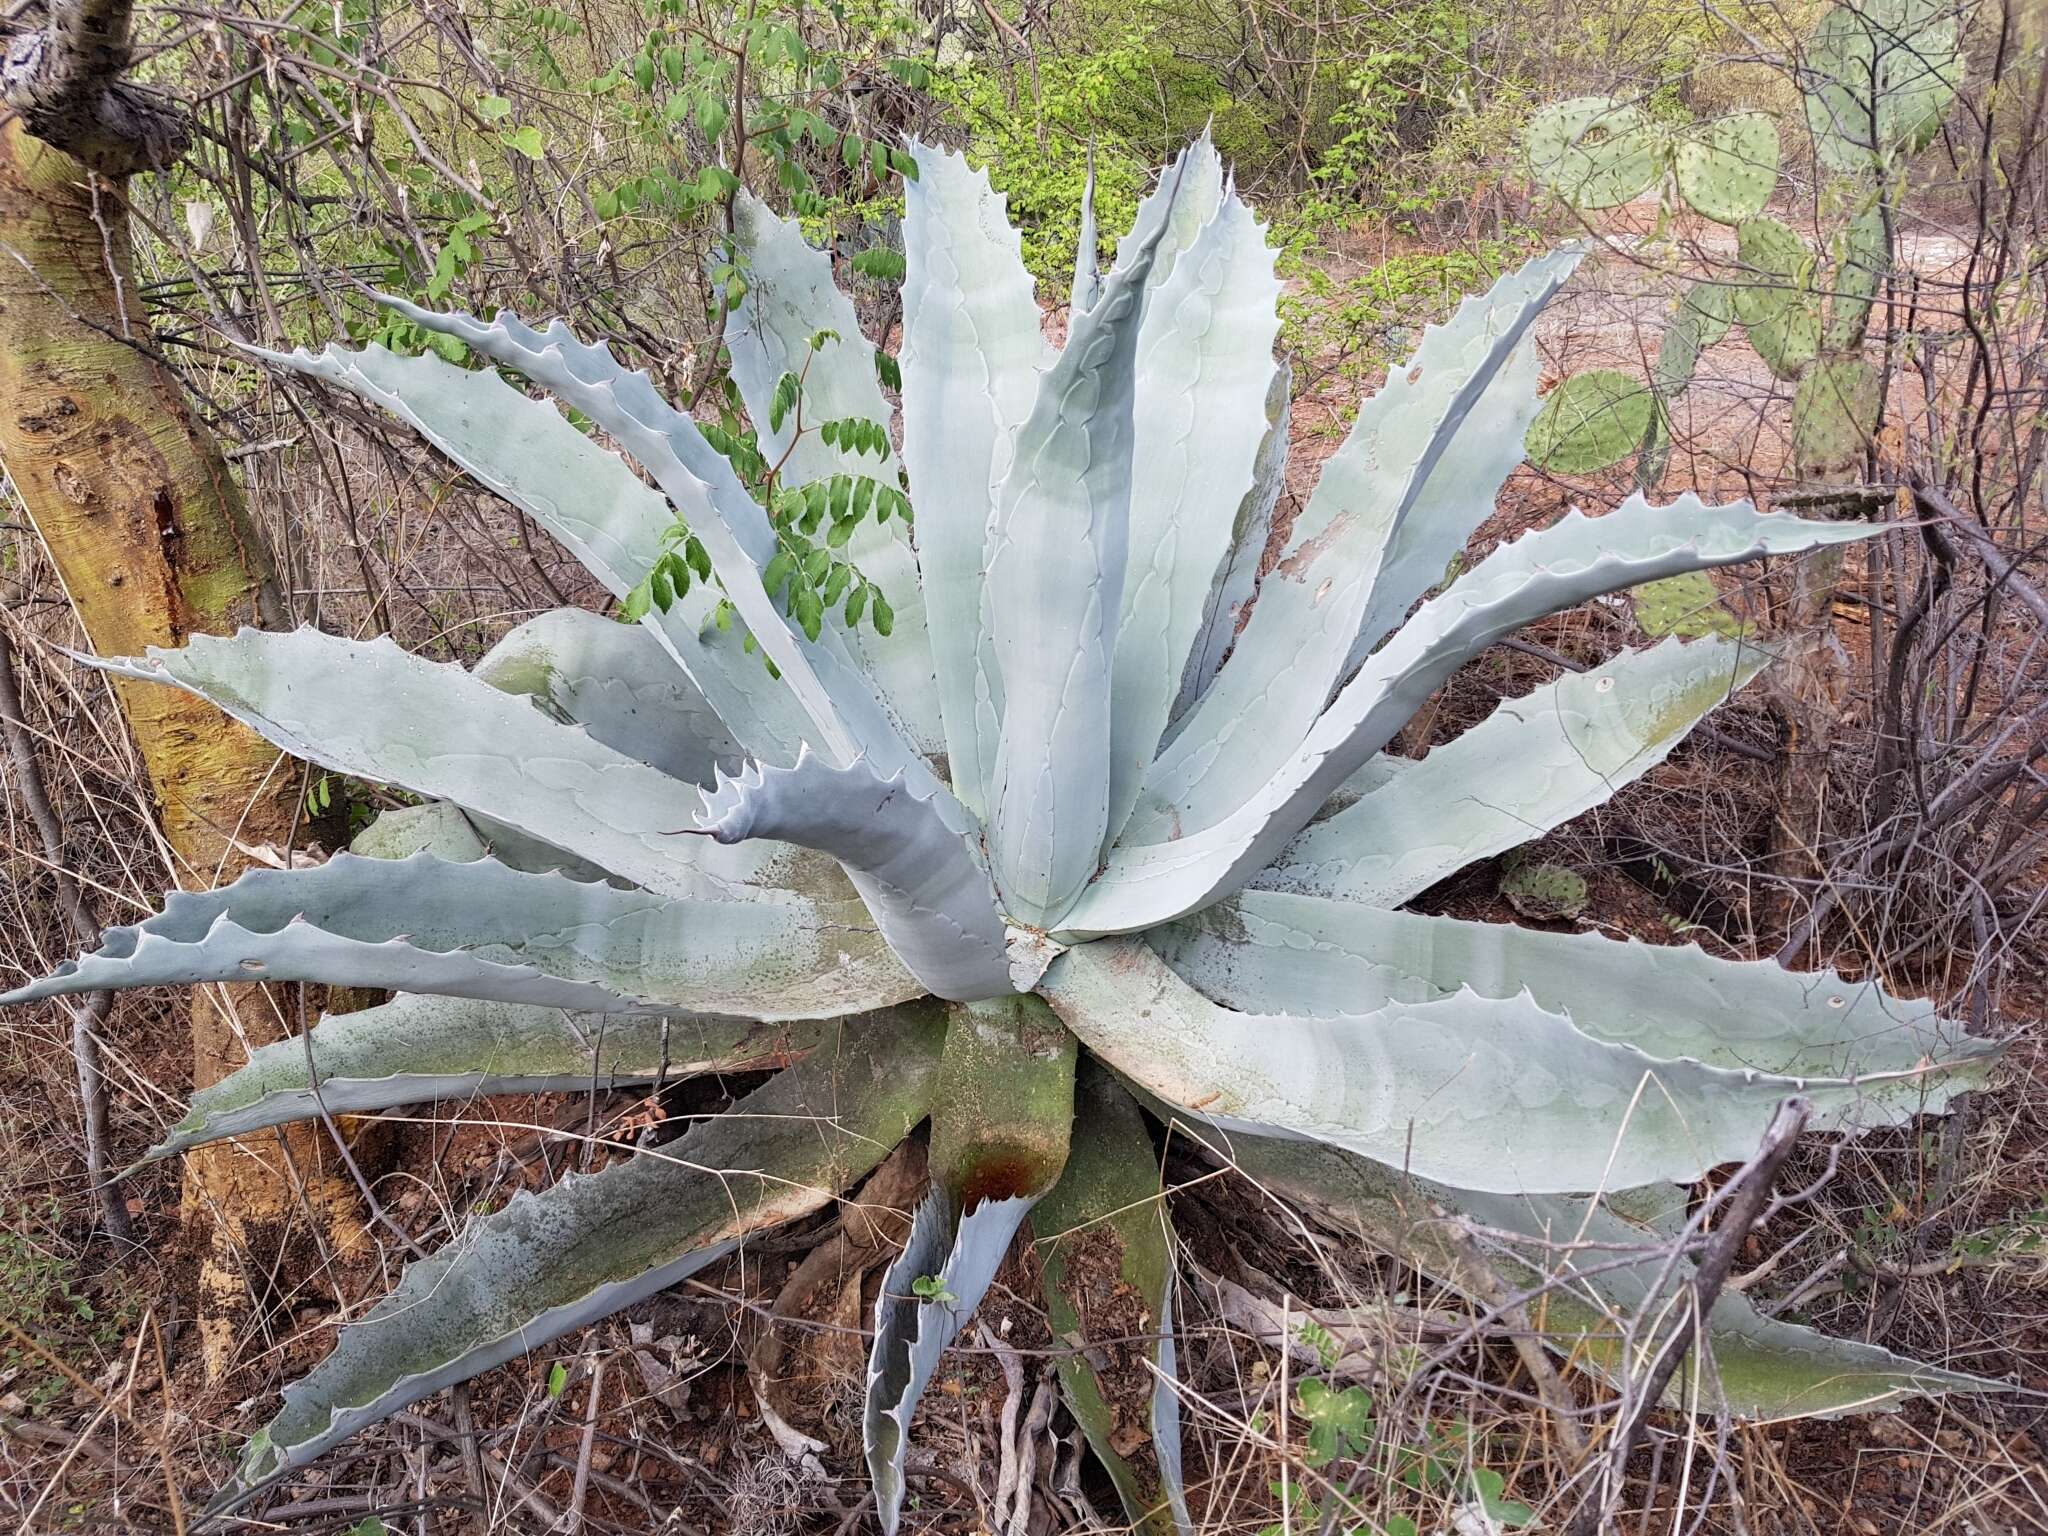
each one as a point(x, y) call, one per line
point(1095, 826)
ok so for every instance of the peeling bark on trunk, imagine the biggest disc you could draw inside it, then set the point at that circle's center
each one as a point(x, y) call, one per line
point(153, 542)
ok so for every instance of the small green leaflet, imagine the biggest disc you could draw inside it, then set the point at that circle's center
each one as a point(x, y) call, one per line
point(1340, 1423)
point(558, 1379)
point(527, 141)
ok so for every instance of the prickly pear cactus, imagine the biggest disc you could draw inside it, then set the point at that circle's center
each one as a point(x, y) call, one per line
point(1688, 606)
point(1727, 168)
point(1590, 421)
point(1880, 76)
point(1544, 893)
point(1832, 415)
point(1862, 251)
point(1592, 151)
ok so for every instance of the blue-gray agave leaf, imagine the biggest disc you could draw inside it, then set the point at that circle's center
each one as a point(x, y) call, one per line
point(478, 929)
point(621, 685)
point(585, 496)
point(840, 702)
point(1058, 544)
point(1532, 765)
point(791, 303)
point(1758, 1367)
point(927, 1296)
point(420, 1046)
point(549, 1263)
point(915, 861)
point(1409, 1084)
point(970, 361)
point(1298, 644)
point(1149, 883)
point(1308, 956)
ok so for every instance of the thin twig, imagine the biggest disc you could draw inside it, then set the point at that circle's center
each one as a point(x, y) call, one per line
point(86, 1021)
point(1746, 1196)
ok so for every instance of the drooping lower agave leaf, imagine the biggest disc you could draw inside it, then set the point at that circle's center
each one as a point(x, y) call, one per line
point(1237, 577)
point(970, 359)
point(1001, 1117)
point(419, 1047)
point(790, 303)
point(1307, 955)
point(620, 684)
point(1542, 572)
point(383, 714)
point(1105, 1242)
point(1297, 646)
point(1762, 1368)
point(915, 861)
point(1533, 764)
point(479, 929)
point(549, 1263)
point(1058, 542)
point(1205, 362)
point(586, 497)
point(845, 716)
point(1410, 1084)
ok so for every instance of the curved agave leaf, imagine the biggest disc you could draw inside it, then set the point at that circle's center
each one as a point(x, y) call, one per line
point(620, 684)
point(549, 1263)
point(970, 359)
point(1185, 197)
point(1058, 543)
point(1577, 558)
point(1762, 1368)
point(1486, 1093)
point(370, 709)
point(954, 1256)
point(1298, 643)
point(1087, 256)
point(1237, 577)
point(1307, 955)
point(444, 829)
point(481, 930)
point(1001, 1116)
point(419, 1047)
point(790, 301)
point(1204, 362)
point(585, 496)
point(1105, 1241)
point(845, 716)
point(1531, 765)
point(915, 862)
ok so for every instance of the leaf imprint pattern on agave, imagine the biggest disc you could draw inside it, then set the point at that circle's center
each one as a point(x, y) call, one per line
point(1102, 815)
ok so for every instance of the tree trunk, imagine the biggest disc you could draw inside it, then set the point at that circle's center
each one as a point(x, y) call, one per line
point(154, 543)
